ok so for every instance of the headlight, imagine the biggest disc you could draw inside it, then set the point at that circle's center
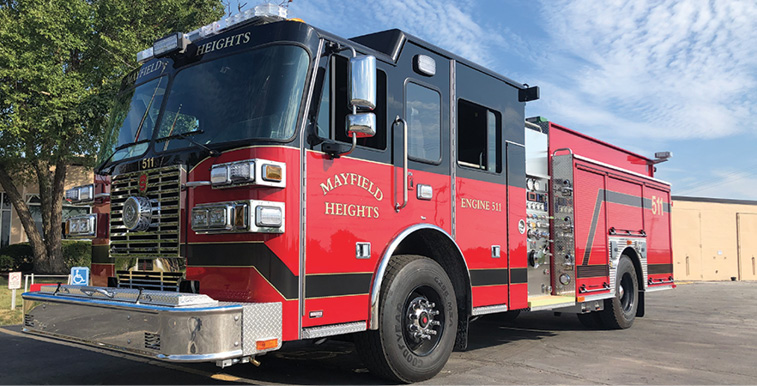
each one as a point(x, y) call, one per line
point(246, 173)
point(87, 192)
point(239, 216)
point(219, 175)
point(82, 226)
point(268, 216)
point(84, 193)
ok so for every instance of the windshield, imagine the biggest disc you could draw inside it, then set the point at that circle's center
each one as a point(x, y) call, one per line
point(132, 120)
point(255, 94)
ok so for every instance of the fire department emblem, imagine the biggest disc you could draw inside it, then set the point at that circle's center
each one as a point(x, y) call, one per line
point(142, 184)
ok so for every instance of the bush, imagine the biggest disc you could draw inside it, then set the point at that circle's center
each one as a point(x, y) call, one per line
point(77, 253)
point(18, 257)
point(6, 263)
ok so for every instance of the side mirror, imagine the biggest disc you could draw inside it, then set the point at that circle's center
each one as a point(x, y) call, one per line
point(363, 82)
point(361, 125)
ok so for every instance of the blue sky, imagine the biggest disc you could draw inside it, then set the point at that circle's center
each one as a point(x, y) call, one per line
point(648, 76)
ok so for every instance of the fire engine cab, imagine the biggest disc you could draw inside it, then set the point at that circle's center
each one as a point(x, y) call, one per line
point(265, 181)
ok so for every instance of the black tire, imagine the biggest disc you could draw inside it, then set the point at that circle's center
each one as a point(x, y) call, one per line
point(620, 311)
point(592, 320)
point(413, 286)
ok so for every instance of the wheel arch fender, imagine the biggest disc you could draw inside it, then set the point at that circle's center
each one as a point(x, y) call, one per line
point(435, 243)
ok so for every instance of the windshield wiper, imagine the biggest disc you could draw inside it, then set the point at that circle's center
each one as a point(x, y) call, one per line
point(119, 147)
point(211, 152)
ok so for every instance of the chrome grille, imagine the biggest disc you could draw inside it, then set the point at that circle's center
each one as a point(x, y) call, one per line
point(29, 320)
point(149, 280)
point(152, 341)
point(163, 191)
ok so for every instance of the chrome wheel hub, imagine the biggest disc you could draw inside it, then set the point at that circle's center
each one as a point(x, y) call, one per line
point(420, 314)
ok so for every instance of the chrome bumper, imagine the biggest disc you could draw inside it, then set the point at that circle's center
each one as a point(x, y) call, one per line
point(211, 331)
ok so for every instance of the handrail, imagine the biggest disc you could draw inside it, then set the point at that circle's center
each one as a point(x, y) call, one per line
point(397, 205)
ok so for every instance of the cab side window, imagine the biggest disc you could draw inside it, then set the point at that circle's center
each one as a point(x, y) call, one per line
point(423, 114)
point(479, 137)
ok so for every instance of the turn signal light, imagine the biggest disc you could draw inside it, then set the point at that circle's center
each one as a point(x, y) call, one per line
point(267, 344)
point(272, 172)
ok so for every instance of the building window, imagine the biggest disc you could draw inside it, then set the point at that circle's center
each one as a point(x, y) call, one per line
point(479, 137)
point(423, 113)
point(5, 220)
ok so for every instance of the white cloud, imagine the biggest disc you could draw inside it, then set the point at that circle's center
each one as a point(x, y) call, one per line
point(445, 23)
point(658, 69)
point(738, 184)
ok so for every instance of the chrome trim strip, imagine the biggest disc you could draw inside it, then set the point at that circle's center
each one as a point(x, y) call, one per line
point(303, 187)
point(378, 277)
point(593, 298)
point(659, 288)
point(552, 306)
point(516, 144)
point(397, 206)
point(124, 305)
point(335, 329)
point(453, 142)
point(483, 310)
point(582, 158)
point(200, 357)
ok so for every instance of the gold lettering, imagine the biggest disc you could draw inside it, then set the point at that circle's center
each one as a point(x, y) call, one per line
point(229, 41)
point(351, 210)
point(361, 210)
point(246, 37)
point(327, 186)
point(330, 208)
point(339, 209)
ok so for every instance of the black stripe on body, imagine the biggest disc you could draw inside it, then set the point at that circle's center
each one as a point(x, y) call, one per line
point(654, 269)
point(256, 255)
point(330, 285)
point(584, 271)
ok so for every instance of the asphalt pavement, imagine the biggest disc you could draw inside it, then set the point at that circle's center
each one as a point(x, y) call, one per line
point(700, 333)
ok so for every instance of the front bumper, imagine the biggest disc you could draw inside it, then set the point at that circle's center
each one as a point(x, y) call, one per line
point(162, 325)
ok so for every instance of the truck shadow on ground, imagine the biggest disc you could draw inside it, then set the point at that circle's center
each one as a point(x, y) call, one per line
point(337, 362)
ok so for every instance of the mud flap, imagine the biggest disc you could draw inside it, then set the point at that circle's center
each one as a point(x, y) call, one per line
point(461, 339)
point(640, 309)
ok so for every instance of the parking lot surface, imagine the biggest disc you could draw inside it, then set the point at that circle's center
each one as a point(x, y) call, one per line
point(701, 333)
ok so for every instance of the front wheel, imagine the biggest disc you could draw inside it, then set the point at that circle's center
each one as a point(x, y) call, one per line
point(417, 322)
point(620, 311)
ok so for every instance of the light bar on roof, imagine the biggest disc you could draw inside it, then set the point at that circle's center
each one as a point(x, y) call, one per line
point(179, 41)
point(172, 43)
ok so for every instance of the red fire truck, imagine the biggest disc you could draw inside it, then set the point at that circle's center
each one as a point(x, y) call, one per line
point(265, 181)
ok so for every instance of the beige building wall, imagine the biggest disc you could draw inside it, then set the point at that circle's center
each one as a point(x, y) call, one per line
point(76, 176)
point(714, 239)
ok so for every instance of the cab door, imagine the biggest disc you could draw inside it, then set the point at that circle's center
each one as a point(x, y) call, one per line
point(348, 202)
point(424, 108)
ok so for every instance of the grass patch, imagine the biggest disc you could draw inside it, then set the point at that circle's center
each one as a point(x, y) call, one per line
point(7, 316)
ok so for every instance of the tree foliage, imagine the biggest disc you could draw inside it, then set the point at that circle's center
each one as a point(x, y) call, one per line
point(61, 62)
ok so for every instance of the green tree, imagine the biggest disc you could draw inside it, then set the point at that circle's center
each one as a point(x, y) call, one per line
point(61, 62)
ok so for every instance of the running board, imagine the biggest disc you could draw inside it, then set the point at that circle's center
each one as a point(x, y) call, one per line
point(548, 302)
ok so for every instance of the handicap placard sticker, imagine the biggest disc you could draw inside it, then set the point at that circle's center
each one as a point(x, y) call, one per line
point(79, 276)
